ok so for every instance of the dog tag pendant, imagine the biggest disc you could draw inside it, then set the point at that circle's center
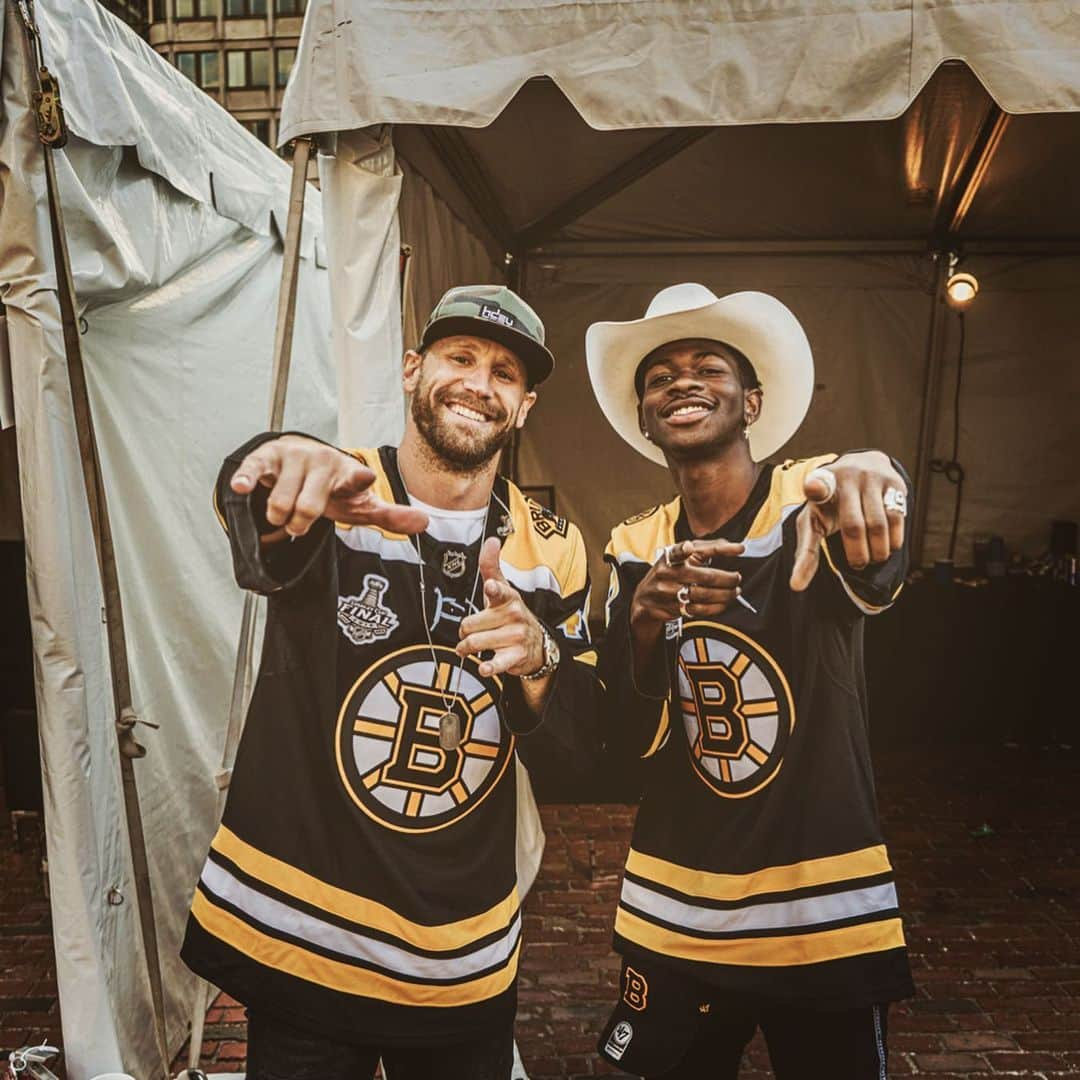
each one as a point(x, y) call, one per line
point(449, 731)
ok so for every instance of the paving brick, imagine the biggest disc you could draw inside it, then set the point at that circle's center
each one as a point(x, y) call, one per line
point(939, 1063)
point(981, 1040)
point(1025, 1063)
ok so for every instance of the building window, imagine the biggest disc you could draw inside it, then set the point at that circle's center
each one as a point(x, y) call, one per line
point(196, 9)
point(202, 68)
point(285, 60)
point(244, 9)
point(289, 7)
point(260, 129)
point(249, 69)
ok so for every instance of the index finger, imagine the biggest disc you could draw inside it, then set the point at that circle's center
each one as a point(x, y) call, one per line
point(692, 573)
point(702, 550)
point(261, 462)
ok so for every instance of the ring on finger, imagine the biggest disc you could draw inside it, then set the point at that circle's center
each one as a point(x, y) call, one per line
point(683, 596)
point(667, 554)
point(828, 478)
point(895, 500)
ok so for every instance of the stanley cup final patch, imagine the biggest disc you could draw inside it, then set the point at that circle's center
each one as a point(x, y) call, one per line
point(365, 618)
point(619, 1040)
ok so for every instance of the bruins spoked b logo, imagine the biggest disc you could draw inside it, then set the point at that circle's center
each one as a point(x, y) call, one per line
point(736, 707)
point(388, 751)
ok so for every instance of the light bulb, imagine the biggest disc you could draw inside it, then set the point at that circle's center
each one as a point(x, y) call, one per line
point(960, 290)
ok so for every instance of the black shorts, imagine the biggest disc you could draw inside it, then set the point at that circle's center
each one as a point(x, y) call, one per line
point(666, 1027)
point(277, 1051)
point(804, 1044)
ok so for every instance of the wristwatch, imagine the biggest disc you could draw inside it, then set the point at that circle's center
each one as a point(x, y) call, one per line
point(551, 658)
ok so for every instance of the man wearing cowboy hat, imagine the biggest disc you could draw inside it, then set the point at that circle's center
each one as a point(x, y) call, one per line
point(757, 892)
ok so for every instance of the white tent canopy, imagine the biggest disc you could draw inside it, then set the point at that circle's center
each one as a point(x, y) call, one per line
point(668, 63)
point(628, 146)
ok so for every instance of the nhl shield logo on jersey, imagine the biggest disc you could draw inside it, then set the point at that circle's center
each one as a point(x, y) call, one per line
point(365, 618)
point(736, 707)
point(453, 563)
point(389, 755)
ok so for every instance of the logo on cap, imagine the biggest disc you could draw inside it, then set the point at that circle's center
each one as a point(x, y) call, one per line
point(494, 313)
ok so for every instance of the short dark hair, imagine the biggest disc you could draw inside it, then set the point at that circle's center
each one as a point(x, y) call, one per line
point(747, 375)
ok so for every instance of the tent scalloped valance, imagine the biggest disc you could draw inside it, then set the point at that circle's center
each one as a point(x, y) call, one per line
point(670, 63)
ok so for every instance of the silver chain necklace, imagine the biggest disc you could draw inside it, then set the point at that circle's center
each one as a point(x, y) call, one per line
point(450, 733)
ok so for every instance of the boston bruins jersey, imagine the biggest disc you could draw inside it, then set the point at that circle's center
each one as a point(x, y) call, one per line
point(362, 882)
point(757, 863)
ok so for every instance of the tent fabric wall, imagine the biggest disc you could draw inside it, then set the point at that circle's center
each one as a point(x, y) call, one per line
point(445, 252)
point(1019, 399)
point(178, 299)
point(362, 186)
point(667, 63)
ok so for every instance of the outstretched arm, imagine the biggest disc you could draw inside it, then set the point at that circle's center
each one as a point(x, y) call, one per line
point(277, 498)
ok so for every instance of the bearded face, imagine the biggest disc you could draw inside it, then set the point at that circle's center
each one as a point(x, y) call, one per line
point(467, 401)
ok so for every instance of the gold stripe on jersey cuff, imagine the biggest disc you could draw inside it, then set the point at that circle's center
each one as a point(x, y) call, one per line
point(863, 605)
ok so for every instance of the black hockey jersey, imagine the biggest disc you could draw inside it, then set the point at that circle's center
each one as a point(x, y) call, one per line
point(757, 863)
point(362, 883)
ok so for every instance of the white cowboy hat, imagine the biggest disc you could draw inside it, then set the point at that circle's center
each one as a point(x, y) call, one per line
point(762, 328)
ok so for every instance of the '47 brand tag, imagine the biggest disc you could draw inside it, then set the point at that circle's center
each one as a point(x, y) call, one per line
point(365, 618)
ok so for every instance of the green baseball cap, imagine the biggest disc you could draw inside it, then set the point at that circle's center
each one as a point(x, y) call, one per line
point(499, 314)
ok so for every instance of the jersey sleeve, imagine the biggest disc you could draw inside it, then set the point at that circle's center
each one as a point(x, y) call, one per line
point(565, 734)
point(875, 587)
point(259, 567)
point(635, 715)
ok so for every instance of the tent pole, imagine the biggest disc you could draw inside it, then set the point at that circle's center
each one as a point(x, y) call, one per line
point(935, 349)
point(950, 219)
point(52, 131)
point(242, 674)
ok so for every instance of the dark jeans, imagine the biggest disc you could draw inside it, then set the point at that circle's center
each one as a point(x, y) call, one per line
point(803, 1044)
point(279, 1052)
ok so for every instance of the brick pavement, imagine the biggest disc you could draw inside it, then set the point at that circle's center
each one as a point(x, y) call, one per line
point(992, 915)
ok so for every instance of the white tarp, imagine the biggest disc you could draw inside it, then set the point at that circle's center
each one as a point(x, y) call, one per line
point(667, 63)
point(170, 210)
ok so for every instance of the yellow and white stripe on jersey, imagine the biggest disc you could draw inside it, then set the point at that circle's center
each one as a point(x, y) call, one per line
point(803, 913)
point(292, 922)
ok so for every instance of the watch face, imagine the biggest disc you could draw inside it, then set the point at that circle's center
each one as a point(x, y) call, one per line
point(551, 650)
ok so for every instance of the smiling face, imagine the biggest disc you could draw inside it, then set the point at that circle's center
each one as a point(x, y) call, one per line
point(468, 394)
point(695, 400)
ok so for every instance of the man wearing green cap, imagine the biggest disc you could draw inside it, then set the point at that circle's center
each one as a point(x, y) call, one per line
point(425, 623)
